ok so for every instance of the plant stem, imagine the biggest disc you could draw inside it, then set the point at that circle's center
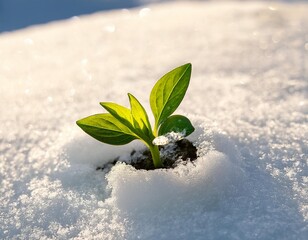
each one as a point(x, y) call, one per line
point(155, 156)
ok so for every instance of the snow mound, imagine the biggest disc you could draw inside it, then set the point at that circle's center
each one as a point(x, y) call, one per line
point(204, 182)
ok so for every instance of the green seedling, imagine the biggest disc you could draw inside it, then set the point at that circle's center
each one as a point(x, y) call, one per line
point(122, 125)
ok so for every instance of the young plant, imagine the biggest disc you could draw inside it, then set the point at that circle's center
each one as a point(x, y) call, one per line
point(123, 125)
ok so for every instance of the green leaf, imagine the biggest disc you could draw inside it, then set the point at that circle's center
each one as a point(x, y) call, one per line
point(176, 123)
point(124, 115)
point(140, 117)
point(106, 128)
point(121, 113)
point(168, 93)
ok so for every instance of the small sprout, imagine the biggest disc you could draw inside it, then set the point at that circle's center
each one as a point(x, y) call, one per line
point(122, 125)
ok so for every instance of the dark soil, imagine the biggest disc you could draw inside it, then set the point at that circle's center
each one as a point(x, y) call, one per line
point(171, 155)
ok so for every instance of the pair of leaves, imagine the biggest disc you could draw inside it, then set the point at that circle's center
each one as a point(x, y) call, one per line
point(122, 125)
point(135, 119)
point(166, 96)
point(168, 93)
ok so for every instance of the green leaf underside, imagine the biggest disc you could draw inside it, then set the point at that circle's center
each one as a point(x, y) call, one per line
point(140, 117)
point(168, 93)
point(106, 128)
point(176, 123)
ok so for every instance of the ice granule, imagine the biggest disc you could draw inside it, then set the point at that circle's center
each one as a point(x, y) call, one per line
point(170, 137)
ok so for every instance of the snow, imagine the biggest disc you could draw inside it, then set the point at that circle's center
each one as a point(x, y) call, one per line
point(168, 138)
point(247, 100)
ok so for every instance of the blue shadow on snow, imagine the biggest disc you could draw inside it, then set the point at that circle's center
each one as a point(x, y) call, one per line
point(17, 14)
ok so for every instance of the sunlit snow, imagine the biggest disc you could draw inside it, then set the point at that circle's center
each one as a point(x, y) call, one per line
point(168, 138)
point(247, 101)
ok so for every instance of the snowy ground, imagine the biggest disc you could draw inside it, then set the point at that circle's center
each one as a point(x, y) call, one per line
point(247, 100)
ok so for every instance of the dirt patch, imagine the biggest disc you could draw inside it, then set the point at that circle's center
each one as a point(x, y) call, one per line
point(171, 155)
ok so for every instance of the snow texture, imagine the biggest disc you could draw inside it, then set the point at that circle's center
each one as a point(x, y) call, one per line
point(247, 100)
point(168, 138)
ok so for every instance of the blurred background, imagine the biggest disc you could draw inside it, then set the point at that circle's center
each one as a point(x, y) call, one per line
point(17, 14)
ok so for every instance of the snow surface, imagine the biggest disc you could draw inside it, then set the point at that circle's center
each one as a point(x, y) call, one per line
point(247, 100)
